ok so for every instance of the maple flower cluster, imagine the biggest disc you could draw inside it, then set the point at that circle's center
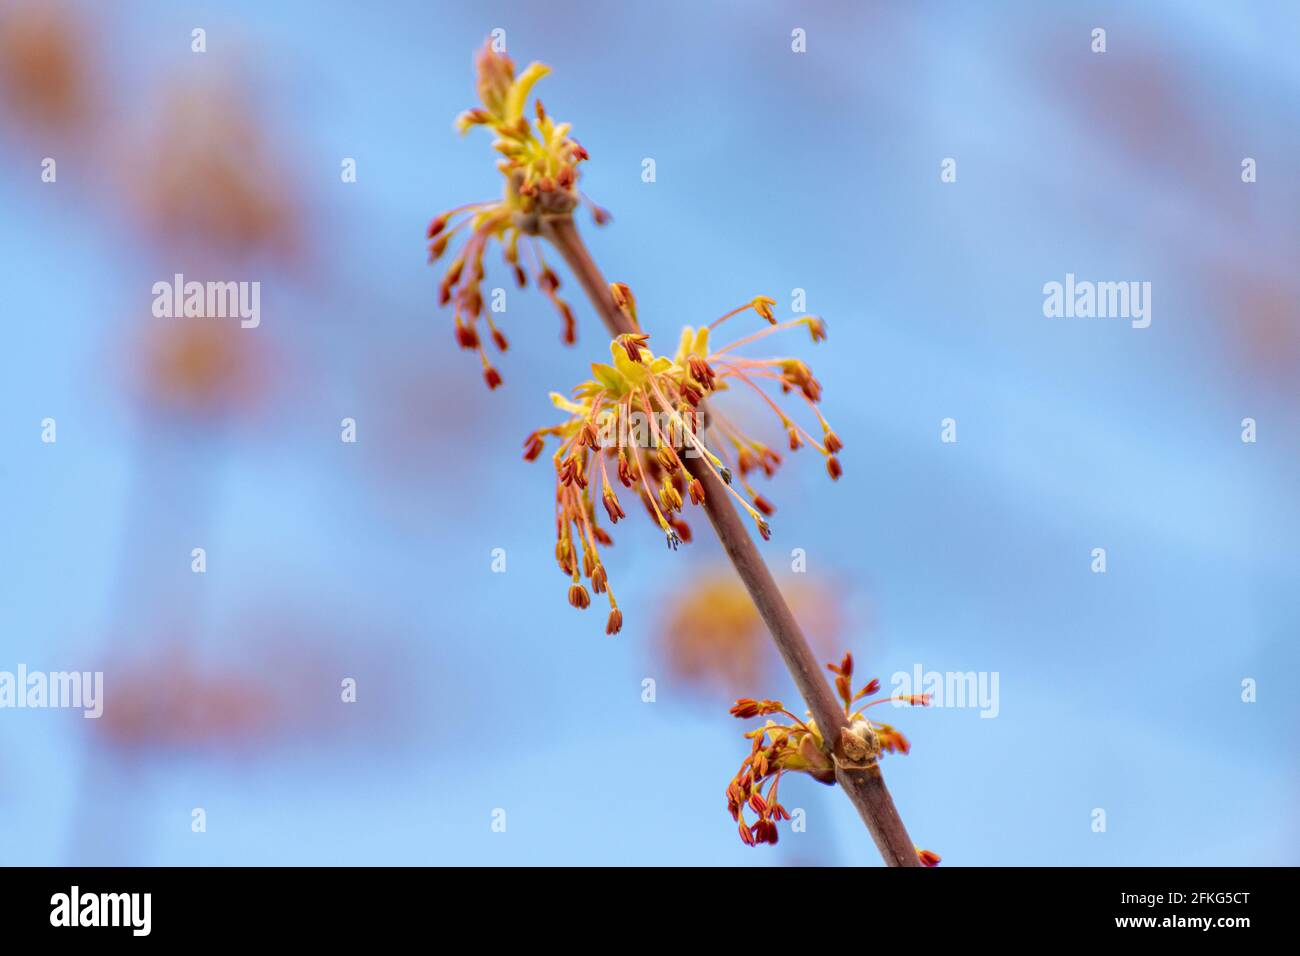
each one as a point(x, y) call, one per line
point(540, 166)
point(799, 747)
point(638, 418)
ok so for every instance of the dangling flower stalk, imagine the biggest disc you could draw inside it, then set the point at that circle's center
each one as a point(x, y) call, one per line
point(604, 433)
point(864, 784)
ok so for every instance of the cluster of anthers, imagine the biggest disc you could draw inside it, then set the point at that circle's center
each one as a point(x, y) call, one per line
point(540, 166)
point(641, 416)
point(799, 747)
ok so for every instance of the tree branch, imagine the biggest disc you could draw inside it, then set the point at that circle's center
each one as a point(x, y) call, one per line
point(865, 787)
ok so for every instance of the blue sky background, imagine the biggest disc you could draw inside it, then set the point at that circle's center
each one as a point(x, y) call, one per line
point(775, 170)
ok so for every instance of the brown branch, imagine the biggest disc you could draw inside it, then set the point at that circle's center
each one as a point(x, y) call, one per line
point(865, 787)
